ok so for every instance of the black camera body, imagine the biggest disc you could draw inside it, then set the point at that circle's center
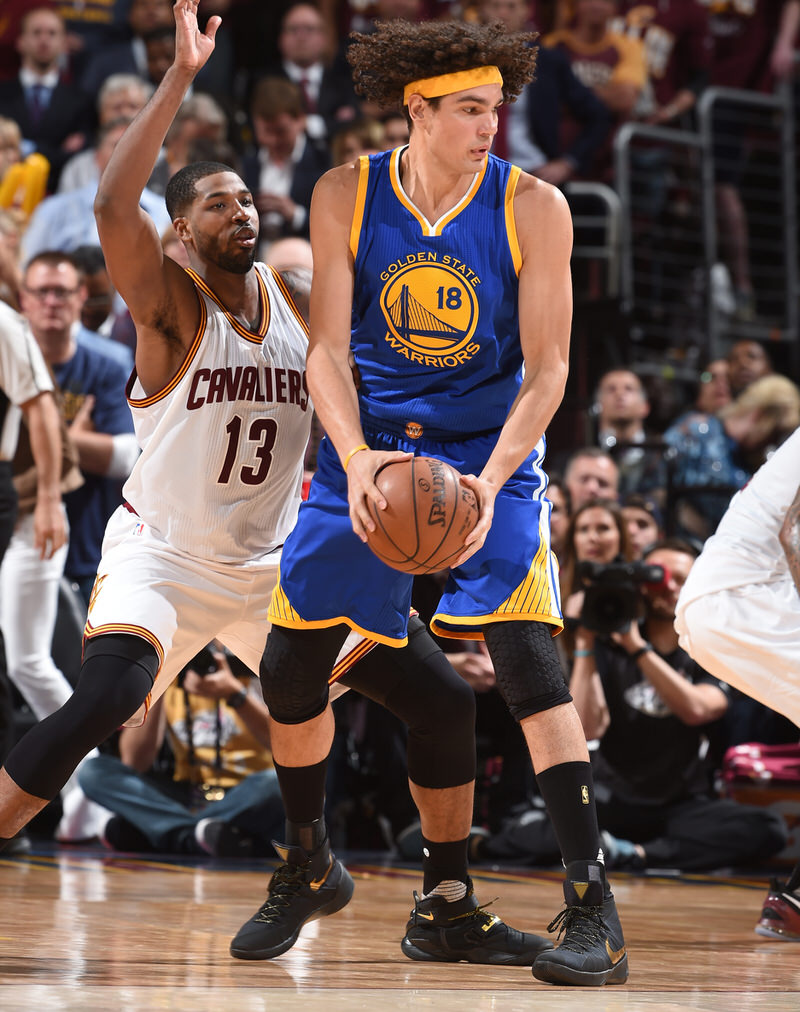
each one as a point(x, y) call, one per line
point(611, 597)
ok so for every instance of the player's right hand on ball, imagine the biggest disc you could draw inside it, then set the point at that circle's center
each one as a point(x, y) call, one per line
point(361, 487)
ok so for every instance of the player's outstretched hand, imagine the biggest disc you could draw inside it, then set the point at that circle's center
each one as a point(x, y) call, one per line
point(192, 47)
point(485, 493)
point(361, 487)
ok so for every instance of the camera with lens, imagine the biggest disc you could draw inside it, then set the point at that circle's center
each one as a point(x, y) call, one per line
point(612, 597)
point(203, 663)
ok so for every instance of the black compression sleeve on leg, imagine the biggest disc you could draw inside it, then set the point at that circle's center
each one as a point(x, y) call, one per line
point(117, 673)
point(526, 666)
point(417, 684)
point(568, 792)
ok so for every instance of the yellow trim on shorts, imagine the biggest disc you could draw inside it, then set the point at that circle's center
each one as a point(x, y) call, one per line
point(511, 225)
point(282, 613)
point(361, 199)
point(533, 600)
point(482, 620)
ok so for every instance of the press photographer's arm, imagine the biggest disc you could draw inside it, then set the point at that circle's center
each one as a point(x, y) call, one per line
point(648, 645)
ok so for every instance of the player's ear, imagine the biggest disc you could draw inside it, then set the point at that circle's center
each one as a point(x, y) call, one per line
point(417, 107)
point(181, 226)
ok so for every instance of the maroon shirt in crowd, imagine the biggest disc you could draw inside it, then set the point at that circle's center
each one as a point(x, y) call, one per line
point(744, 32)
point(677, 41)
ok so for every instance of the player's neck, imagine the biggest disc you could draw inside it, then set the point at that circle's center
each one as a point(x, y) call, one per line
point(239, 293)
point(431, 186)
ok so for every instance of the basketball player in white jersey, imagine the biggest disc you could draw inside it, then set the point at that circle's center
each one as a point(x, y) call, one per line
point(738, 616)
point(222, 414)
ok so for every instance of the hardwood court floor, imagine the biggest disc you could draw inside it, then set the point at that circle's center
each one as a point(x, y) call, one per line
point(83, 930)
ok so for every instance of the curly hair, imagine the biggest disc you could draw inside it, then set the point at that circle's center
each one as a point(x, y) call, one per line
point(399, 52)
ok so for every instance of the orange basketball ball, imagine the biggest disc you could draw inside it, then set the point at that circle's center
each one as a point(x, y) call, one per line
point(428, 515)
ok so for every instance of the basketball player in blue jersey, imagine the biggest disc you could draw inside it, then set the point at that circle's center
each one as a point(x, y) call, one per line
point(223, 415)
point(444, 272)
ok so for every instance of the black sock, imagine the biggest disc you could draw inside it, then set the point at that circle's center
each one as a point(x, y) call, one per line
point(303, 792)
point(793, 885)
point(4, 840)
point(443, 862)
point(568, 792)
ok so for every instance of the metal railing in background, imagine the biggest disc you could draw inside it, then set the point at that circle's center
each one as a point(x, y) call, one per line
point(665, 252)
point(597, 223)
point(678, 265)
point(748, 140)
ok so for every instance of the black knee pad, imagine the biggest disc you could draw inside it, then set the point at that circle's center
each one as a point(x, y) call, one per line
point(295, 669)
point(417, 684)
point(526, 666)
point(116, 676)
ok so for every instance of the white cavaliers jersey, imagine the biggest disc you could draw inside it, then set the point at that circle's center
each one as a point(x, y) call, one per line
point(745, 549)
point(220, 473)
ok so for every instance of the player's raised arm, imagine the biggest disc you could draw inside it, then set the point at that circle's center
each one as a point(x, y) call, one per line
point(328, 370)
point(153, 287)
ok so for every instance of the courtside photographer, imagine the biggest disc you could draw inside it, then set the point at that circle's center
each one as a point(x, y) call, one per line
point(656, 715)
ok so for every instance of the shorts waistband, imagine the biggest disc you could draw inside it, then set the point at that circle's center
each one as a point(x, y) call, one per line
point(417, 430)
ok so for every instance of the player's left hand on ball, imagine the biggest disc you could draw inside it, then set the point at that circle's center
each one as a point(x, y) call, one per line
point(361, 487)
point(485, 494)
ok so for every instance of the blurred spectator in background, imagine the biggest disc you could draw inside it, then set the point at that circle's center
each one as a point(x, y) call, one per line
point(612, 65)
point(329, 100)
point(621, 406)
point(528, 130)
point(92, 381)
point(199, 117)
point(92, 25)
point(53, 115)
point(395, 130)
point(747, 362)
point(13, 12)
point(365, 137)
point(642, 521)
point(10, 144)
point(678, 48)
point(128, 56)
point(65, 221)
point(121, 97)
point(753, 45)
point(714, 390)
point(591, 473)
point(282, 171)
point(10, 277)
point(597, 533)
point(560, 512)
point(716, 454)
point(222, 797)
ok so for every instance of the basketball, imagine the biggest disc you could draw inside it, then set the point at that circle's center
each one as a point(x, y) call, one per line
point(428, 515)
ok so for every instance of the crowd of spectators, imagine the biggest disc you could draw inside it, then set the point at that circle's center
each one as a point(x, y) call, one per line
point(276, 102)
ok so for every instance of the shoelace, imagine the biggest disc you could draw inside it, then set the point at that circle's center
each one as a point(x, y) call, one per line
point(287, 880)
point(477, 913)
point(582, 927)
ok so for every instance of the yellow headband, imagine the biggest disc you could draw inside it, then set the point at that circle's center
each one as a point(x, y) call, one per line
point(447, 84)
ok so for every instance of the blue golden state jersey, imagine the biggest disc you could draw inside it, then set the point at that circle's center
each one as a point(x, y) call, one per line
point(435, 330)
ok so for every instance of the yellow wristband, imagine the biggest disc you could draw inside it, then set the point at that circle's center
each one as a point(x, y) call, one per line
point(353, 452)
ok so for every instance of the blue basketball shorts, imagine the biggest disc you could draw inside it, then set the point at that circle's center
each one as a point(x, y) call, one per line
point(329, 576)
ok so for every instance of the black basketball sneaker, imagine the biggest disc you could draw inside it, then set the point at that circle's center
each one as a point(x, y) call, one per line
point(592, 951)
point(305, 887)
point(445, 932)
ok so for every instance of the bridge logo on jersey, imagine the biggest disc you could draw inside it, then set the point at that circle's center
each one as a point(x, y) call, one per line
point(431, 311)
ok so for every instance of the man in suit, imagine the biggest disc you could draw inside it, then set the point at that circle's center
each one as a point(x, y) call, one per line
point(287, 162)
point(328, 96)
point(54, 116)
point(130, 56)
